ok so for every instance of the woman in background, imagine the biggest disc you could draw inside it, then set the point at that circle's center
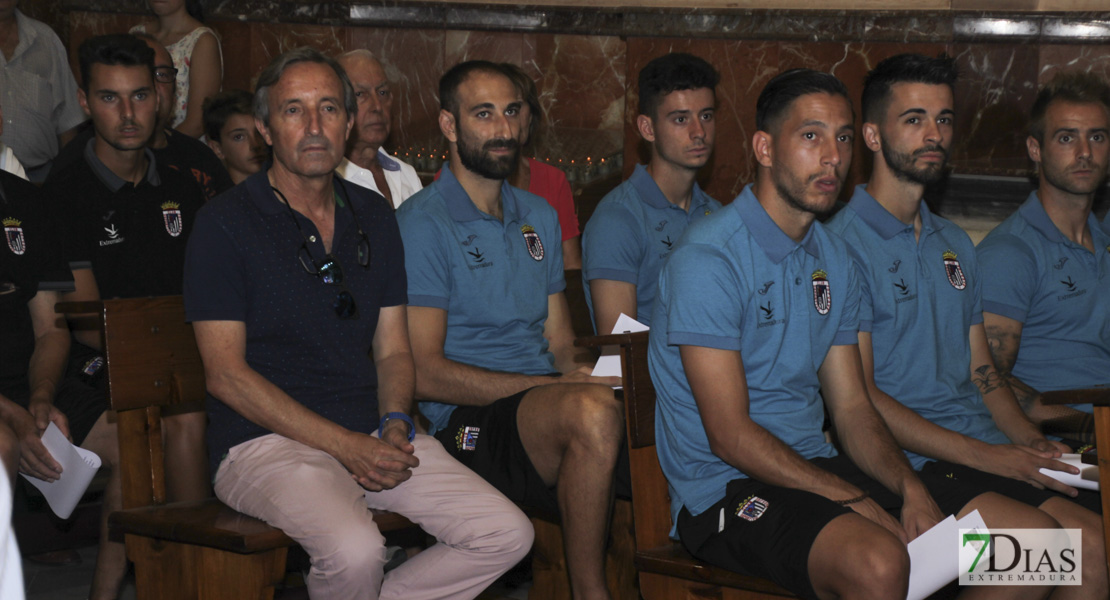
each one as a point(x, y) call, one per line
point(196, 55)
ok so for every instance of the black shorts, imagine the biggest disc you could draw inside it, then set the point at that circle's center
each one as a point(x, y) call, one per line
point(486, 439)
point(81, 403)
point(767, 531)
point(976, 480)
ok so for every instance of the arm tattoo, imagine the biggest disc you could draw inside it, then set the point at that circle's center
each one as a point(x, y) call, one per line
point(1004, 349)
point(987, 379)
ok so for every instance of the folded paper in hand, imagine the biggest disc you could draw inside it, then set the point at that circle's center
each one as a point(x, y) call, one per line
point(935, 555)
point(1087, 479)
point(78, 467)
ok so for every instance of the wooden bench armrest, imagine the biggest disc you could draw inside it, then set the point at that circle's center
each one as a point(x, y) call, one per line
point(1099, 396)
point(616, 339)
point(78, 308)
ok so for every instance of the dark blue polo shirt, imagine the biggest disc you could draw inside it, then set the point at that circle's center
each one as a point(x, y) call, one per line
point(242, 265)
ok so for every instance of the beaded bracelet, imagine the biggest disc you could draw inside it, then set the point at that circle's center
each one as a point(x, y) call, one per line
point(859, 498)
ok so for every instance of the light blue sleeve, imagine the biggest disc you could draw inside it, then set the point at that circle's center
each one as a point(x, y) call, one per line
point(704, 298)
point(612, 245)
point(848, 330)
point(1009, 275)
point(427, 264)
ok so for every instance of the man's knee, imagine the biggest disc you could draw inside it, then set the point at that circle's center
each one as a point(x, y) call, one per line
point(597, 415)
point(191, 424)
point(103, 439)
point(349, 552)
point(865, 562)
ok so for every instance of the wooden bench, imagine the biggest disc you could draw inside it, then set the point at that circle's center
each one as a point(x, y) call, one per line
point(192, 550)
point(667, 571)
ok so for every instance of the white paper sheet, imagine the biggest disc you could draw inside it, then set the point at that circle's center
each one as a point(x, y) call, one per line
point(78, 467)
point(934, 555)
point(1087, 478)
point(610, 365)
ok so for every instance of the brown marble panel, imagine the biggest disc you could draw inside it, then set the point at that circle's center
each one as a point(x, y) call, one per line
point(1066, 57)
point(996, 88)
point(581, 80)
point(270, 40)
point(240, 72)
point(413, 61)
point(496, 46)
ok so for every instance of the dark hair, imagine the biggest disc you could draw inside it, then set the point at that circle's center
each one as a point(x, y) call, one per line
point(113, 49)
point(903, 68)
point(527, 88)
point(670, 73)
point(788, 86)
point(456, 75)
point(273, 72)
point(219, 108)
point(1067, 86)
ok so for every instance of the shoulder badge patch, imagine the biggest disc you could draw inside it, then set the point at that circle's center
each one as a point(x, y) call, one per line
point(171, 216)
point(532, 240)
point(822, 293)
point(752, 508)
point(953, 270)
point(14, 234)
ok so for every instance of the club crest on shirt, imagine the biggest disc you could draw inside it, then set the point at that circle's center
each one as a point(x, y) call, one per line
point(822, 293)
point(953, 270)
point(14, 233)
point(467, 438)
point(171, 216)
point(532, 240)
point(752, 508)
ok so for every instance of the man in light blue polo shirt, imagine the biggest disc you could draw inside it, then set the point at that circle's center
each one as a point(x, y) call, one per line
point(506, 391)
point(925, 356)
point(635, 226)
point(1046, 293)
point(757, 309)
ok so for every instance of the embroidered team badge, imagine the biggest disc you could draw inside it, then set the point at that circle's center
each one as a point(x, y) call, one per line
point(14, 233)
point(752, 508)
point(171, 215)
point(532, 240)
point(953, 270)
point(467, 438)
point(822, 293)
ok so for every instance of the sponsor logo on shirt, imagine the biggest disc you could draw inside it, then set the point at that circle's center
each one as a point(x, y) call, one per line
point(766, 286)
point(904, 294)
point(113, 236)
point(894, 268)
point(767, 316)
point(1072, 289)
point(17, 243)
point(1060, 263)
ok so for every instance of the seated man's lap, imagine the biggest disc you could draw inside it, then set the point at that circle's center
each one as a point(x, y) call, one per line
point(974, 481)
point(486, 439)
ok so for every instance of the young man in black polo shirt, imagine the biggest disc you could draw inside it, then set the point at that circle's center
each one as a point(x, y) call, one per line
point(33, 350)
point(126, 218)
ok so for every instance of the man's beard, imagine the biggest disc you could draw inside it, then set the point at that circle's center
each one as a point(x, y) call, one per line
point(479, 161)
point(901, 164)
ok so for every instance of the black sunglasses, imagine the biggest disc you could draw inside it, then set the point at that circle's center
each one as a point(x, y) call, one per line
point(328, 269)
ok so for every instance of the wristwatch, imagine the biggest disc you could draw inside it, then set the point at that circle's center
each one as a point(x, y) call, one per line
point(401, 416)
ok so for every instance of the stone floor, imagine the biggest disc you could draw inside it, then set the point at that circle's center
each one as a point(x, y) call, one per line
point(72, 582)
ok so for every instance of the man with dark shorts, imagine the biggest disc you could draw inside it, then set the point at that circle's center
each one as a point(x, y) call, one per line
point(757, 309)
point(295, 284)
point(925, 356)
point(634, 227)
point(1046, 296)
point(33, 351)
point(490, 327)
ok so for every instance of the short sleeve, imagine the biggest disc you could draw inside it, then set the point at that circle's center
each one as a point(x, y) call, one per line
point(426, 262)
point(563, 201)
point(847, 332)
point(214, 286)
point(702, 303)
point(1009, 275)
point(611, 245)
point(73, 219)
point(557, 276)
point(397, 292)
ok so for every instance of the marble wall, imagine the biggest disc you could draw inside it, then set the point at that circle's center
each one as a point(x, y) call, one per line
point(585, 64)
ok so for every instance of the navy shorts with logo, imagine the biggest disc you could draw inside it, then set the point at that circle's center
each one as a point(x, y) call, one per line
point(486, 439)
point(767, 531)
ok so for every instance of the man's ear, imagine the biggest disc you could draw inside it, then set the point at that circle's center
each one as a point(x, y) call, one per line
point(1034, 148)
point(83, 100)
point(447, 126)
point(871, 137)
point(646, 127)
point(215, 146)
point(265, 131)
point(761, 146)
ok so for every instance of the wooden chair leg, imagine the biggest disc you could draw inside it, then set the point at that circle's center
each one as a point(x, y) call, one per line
point(549, 564)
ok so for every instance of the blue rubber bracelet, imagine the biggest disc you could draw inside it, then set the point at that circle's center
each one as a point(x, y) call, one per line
point(402, 416)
